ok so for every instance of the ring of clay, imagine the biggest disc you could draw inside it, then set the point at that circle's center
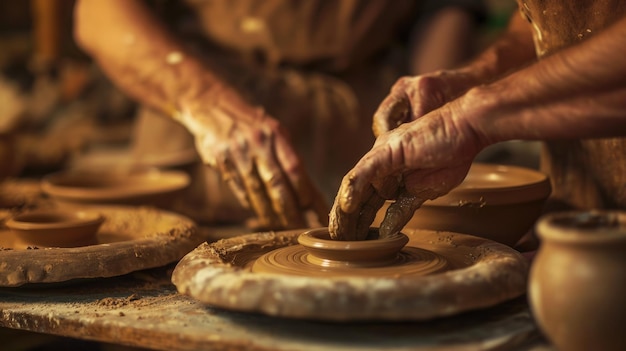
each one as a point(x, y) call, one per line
point(479, 273)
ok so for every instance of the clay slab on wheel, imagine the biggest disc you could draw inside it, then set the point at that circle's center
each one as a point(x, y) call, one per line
point(478, 273)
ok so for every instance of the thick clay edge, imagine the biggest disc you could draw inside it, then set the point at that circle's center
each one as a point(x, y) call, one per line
point(210, 275)
point(173, 237)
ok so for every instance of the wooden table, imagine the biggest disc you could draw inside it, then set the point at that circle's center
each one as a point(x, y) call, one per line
point(143, 309)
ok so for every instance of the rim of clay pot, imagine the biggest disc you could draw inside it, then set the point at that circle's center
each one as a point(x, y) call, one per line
point(102, 185)
point(373, 250)
point(584, 227)
point(55, 227)
point(491, 184)
point(53, 219)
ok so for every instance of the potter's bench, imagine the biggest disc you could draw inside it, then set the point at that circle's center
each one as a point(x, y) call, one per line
point(143, 309)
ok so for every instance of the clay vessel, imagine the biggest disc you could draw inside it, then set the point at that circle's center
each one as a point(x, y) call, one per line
point(495, 202)
point(138, 186)
point(55, 228)
point(373, 251)
point(577, 284)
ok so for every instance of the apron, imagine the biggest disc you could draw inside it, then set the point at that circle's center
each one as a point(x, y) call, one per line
point(585, 174)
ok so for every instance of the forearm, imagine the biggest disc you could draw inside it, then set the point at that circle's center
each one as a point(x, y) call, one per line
point(579, 92)
point(140, 55)
point(513, 49)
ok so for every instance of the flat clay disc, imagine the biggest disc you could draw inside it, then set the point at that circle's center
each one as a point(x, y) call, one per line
point(129, 239)
point(453, 273)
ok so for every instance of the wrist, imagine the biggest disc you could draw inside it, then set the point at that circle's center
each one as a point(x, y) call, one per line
point(196, 87)
point(476, 109)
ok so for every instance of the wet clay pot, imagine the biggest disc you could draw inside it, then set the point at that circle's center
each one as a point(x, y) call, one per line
point(495, 202)
point(577, 283)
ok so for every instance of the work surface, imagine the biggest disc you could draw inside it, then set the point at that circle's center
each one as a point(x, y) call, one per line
point(143, 309)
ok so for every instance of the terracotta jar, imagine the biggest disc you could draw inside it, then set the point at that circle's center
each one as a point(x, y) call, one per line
point(577, 287)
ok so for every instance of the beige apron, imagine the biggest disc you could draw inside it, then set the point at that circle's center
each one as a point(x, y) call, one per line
point(585, 173)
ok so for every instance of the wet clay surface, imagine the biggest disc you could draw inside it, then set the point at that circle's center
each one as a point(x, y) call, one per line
point(468, 273)
point(318, 255)
point(143, 309)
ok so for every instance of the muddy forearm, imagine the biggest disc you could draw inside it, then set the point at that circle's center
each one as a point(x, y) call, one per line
point(138, 53)
point(578, 92)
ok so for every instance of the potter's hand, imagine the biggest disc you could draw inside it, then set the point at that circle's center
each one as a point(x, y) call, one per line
point(255, 158)
point(412, 97)
point(415, 162)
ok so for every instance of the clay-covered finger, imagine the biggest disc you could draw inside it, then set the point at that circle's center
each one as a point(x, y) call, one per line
point(374, 199)
point(393, 111)
point(372, 167)
point(399, 213)
point(342, 225)
point(280, 193)
point(230, 175)
point(367, 214)
point(352, 225)
point(255, 190)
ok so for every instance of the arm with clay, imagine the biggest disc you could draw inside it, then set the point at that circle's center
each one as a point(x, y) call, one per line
point(412, 97)
point(425, 158)
point(249, 148)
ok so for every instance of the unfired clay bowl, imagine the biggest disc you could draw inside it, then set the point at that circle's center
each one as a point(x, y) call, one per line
point(495, 202)
point(373, 251)
point(55, 228)
point(134, 187)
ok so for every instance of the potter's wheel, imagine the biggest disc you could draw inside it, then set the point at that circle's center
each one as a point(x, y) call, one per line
point(436, 274)
point(307, 260)
point(294, 260)
point(129, 239)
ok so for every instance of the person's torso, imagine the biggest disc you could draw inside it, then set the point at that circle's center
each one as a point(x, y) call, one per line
point(585, 173)
point(305, 32)
point(561, 23)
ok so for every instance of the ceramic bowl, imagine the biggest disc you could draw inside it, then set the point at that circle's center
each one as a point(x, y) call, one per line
point(55, 228)
point(495, 202)
point(135, 187)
